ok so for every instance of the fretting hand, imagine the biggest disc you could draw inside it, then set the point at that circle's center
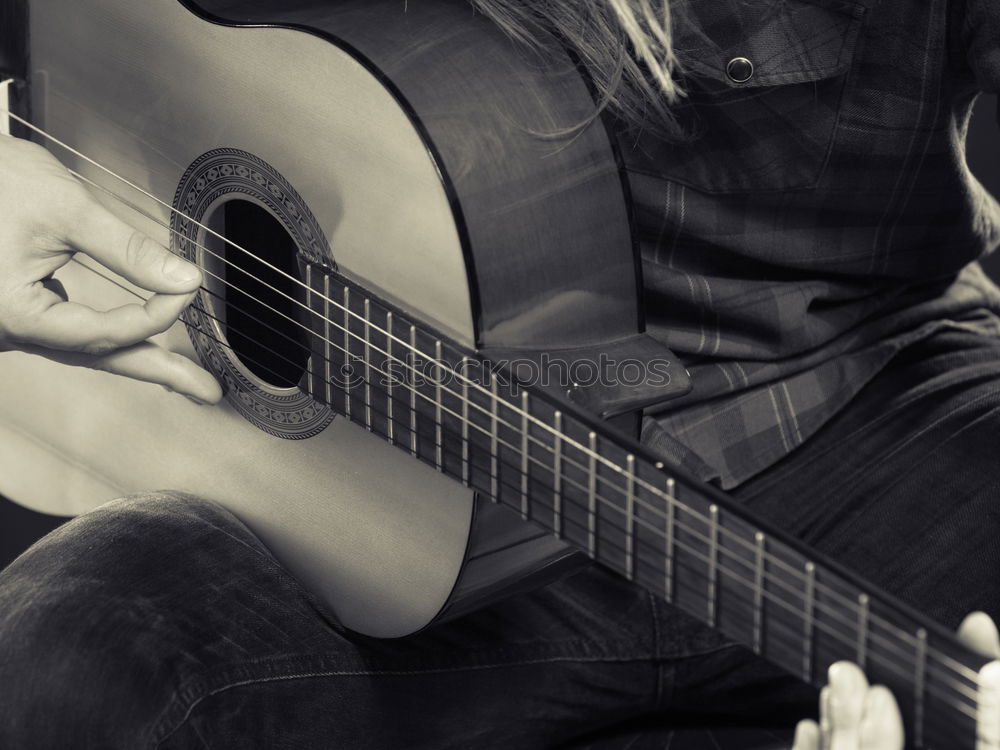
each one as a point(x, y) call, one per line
point(49, 215)
point(857, 716)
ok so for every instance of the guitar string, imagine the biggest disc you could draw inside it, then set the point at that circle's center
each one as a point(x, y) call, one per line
point(511, 447)
point(890, 660)
point(366, 342)
point(580, 487)
point(796, 611)
point(544, 446)
point(608, 482)
point(847, 602)
point(611, 465)
point(891, 664)
point(818, 606)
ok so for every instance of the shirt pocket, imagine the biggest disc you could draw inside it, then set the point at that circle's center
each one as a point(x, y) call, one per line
point(764, 82)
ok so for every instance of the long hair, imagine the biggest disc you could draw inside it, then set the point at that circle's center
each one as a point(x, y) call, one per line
point(626, 46)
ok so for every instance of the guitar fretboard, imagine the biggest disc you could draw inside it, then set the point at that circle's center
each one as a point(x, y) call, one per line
point(607, 496)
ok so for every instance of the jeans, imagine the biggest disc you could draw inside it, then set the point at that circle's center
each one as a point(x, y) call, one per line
point(160, 621)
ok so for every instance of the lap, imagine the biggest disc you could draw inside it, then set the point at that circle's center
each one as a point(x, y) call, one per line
point(161, 621)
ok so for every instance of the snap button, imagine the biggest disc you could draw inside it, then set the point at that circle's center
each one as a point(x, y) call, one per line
point(739, 70)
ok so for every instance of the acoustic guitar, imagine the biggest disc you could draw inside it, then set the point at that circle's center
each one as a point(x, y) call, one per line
point(403, 222)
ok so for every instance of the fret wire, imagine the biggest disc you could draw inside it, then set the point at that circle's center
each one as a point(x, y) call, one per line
point(782, 603)
point(736, 577)
point(713, 562)
point(525, 485)
point(835, 634)
point(465, 425)
point(368, 369)
point(594, 458)
point(758, 594)
point(438, 406)
point(893, 664)
point(694, 552)
point(494, 438)
point(120, 198)
point(413, 394)
point(808, 621)
point(829, 609)
point(413, 390)
point(944, 665)
point(348, 371)
point(861, 655)
point(310, 376)
point(961, 688)
point(630, 518)
point(919, 686)
point(347, 312)
point(125, 181)
point(389, 381)
point(592, 496)
point(557, 519)
point(327, 351)
point(414, 349)
point(890, 661)
point(959, 666)
point(668, 566)
point(391, 337)
point(692, 531)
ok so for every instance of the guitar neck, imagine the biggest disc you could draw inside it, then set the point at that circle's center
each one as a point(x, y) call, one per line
point(606, 495)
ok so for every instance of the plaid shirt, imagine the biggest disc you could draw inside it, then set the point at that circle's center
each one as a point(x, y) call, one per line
point(821, 216)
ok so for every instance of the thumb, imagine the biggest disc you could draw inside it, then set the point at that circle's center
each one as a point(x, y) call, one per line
point(988, 708)
point(128, 252)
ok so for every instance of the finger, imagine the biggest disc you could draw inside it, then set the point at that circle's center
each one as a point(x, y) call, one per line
point(848, 687)
point(118, 246)
point(882, 725)
point(806, 736)
point(988, 708)
point(979, 632)
point(75, 327)
point(149, 363)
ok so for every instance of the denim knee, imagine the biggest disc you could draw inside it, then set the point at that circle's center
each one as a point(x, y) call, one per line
point(90, 626)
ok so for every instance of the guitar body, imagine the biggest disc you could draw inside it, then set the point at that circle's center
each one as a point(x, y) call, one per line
point(375, 186)
point(396, 144)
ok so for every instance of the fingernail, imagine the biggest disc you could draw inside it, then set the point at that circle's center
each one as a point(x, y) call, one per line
point(846, 678)
point(197, 401)
point(179, 269)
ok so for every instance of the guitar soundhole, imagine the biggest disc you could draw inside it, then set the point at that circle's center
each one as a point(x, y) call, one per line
point(249, 325)
point(257, 294)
